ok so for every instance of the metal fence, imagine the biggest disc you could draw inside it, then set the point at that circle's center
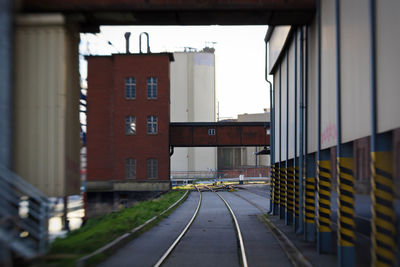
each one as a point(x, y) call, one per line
point(24, 213)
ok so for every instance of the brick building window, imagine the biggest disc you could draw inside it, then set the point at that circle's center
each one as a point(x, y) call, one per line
point(152, 168)
point(152, 88)
point(152, 127)
point(130, 125)
point(130, 168)
point(130, 88)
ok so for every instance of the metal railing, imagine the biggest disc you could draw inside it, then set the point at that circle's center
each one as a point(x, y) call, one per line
point(24, 213)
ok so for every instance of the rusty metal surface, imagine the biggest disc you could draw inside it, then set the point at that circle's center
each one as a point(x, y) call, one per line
point(226, 134)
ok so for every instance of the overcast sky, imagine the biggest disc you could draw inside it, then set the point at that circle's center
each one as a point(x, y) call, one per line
point(240, 57)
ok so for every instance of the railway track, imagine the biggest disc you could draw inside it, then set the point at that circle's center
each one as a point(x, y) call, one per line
point(169, 251)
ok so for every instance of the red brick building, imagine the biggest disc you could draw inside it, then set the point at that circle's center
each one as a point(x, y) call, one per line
point(128, 120)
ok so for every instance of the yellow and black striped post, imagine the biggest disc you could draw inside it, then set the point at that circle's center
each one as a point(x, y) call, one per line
point(383, 235)
point(309, 217)
point(290, 193)
point(296, 196)
point(346, 223)
point(275, 190)
point(283, 191)
point(324, 234)
point(278, 186)
point(272, 188)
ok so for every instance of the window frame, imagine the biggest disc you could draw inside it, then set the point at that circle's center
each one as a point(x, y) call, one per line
point(152, 87)
point(130, 167)
point(152, 168)
point(150, 124)
point(128, 126)
point(130, 88)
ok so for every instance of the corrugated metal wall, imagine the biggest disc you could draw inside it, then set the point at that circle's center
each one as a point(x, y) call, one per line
point(46, 123)
point(355, 69)
point(388, 64)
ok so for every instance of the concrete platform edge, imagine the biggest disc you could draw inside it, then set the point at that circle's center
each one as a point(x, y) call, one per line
point(294, 255)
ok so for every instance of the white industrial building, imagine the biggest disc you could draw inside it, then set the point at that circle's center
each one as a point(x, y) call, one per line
point(193, 100)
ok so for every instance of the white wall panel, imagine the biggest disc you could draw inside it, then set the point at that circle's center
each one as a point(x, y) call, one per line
point(388, 64)
point(292, 105)
point(276, 115)
point(283, 89)
point(328, 76)
point(355, 70)
point(312, 114)
point(276, 43)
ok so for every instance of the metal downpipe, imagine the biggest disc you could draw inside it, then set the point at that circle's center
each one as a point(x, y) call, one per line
point(281, 209)
point(272, 151)
point(295, 160)
point(301, 204)
point(6, 83)
point(288, 186)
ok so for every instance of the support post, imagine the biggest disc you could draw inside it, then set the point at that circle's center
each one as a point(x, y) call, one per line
point(346, 223)
point(310, 199)
point(283, 190)
point(383, 234)
point(324, 234)
point(290, 193)
point(296, 195)
point(6, 103)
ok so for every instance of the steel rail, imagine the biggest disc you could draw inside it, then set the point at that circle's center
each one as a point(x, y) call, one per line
point(171, 248)
point(239, 233)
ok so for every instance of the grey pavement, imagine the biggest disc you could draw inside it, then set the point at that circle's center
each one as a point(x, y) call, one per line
point(146, 249)
point(308, 249)
point(262, 249)
point(211, 240)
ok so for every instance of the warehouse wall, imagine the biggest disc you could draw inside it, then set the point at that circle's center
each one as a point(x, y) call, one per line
point(388, 64)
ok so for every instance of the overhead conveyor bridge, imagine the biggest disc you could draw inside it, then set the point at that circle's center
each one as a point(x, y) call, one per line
point(219, 134)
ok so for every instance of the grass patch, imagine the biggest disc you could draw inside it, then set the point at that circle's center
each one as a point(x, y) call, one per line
point(99, 231)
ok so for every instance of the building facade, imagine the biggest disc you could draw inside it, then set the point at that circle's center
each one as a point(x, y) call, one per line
point(244, 157)
point(336, 128)
point(193, 100)
point(127, 129)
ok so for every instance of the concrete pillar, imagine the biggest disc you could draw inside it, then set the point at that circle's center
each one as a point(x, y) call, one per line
point(383, 235)
point(324, 234)
point(346, 223)
point(310, 199)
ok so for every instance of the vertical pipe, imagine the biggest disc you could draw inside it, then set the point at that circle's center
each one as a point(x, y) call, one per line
point(323, 166)
point(344, 170)
point(301, 220)
point(287, 192)
point(383, 252)
point(308, 176)
point(6, 67)
point(295, 161)
point(6, 116)
point(281, 208)
point(272, 169)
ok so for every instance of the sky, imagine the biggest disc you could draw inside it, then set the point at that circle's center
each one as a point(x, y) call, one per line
point(239, 53)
